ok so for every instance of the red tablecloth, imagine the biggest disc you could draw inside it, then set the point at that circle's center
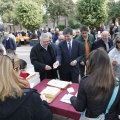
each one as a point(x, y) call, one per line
point(59, 107)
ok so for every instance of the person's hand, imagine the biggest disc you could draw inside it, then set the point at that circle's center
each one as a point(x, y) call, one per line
point(114, 63)
point(56, 64)
point(47, 67)
point(73, 63)
point(82, 63)
point(43, 97)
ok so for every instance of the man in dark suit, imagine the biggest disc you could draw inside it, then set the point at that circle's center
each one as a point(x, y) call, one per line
point(69, 57)
point(104, 42)
point(9, 43)
point(42, 56)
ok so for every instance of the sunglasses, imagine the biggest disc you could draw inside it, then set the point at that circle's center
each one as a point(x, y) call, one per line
point(11, 59)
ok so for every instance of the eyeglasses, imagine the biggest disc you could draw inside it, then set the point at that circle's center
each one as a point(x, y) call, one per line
point(11, 59)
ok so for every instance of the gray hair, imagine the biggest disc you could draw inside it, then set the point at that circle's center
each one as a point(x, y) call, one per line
point(105, 32)
point(43, 36)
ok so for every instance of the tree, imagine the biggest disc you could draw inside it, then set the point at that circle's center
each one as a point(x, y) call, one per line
point(29, 14)
point(69, 8)
point(6, 10)
point(57, 8)
point(91, 12)
point(114, 10)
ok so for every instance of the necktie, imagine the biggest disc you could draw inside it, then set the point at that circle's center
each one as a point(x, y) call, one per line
point(69, 48)
point(87, 48)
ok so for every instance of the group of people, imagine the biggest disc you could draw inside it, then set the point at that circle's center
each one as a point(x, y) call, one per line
point(68, 58)
point(98, 86)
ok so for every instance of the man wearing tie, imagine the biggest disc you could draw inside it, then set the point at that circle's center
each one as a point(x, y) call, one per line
point(86, 40)
point(104, 42)
point(69, 56)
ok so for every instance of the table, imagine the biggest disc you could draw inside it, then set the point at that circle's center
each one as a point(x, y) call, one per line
point(59, 107)
point(19, 38)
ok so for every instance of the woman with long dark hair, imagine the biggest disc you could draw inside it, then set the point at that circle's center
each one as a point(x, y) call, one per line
point(96, 88)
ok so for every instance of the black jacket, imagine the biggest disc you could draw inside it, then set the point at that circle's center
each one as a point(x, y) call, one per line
point(93, 110)
point(38, 57)
point(28, 107)
point(100, 43)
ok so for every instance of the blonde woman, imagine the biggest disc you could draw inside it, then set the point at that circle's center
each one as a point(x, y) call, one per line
point(16, 101)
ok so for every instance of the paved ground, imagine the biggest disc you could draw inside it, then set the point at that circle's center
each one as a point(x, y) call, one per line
point(23, 52)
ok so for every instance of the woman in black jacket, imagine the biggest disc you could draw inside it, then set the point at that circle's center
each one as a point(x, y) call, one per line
point(95, 89)
point(16, 101)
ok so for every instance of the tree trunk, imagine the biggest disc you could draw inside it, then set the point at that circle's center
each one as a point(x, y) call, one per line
point(13, 28)
point(10, 28)
point(119, 21)
point(53, 23)
point(20, 26)
point(57, 21)
point(114, 20)
point(65, 22)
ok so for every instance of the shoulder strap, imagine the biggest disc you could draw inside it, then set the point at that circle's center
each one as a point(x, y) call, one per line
point(112, 98)
point(84, 77)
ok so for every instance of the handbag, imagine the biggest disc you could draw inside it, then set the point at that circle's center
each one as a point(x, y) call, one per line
point(102, 116)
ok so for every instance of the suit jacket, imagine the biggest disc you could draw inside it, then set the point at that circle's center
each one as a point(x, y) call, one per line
point(100, 43)
point(64, 59)
point(38, 59)
point(11, 42)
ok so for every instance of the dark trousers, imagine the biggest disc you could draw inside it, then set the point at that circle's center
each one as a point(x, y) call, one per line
point(82, 70)
point(69, 76)
point(50, 74)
